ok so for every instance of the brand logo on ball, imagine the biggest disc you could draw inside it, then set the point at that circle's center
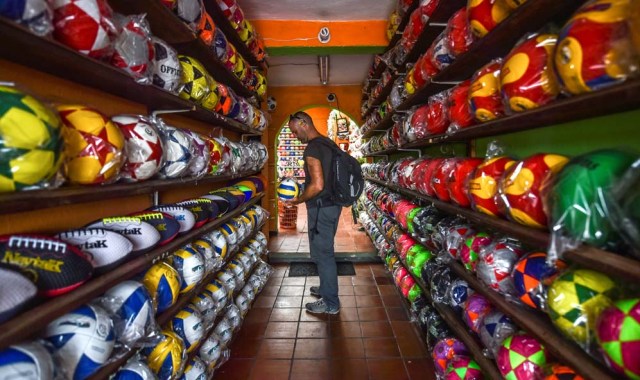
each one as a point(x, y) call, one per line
point(94, 244)
point(169, 70)
point(130, 231)
point(50, 265)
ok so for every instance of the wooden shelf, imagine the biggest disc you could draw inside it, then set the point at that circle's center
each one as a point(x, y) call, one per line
point(28, 324)
point(382, 66)
point(382, 126)
point(40, 199)
point(222, 22)
point(541, 328)
point(105, 372)
point(386, 90)
point(587, 256)
point(403, 24)
point(46, 55)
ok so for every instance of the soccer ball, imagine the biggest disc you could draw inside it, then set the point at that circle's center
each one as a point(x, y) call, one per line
point(189, 11)
point(261, 85)
point(210, 99)
point(457, 106)
point(459, 292)
point(458, 33)
point(562, 372)
point(195, 78)
point(143, 147)
point(195, 370)
point(82, 339)
point(457, 181)
point(440, 178)
point(93, 146)
point(531, 275)
point(134, 370)
point(30, 140)
point(220, 44)
point(215, 156)
point(470, 251)
point(619, 337)
point(84, 25)
point(575, 200)
point(177, 152)
point(594, 48)
point(190, 266)
point(134, 49)
point(495, 328)
point(167, 357)
point(163, 283)
point(29, 361)
point(485, 15)
point(520, 188)
point(201, 155)
point(496, 263)
point(522, 357)
point(476, 309)
point(227, 103)
point(444, 351)
point(483, 185)
point(132, 309)
point(526, 77)
point(35, 14)
point(575, 300)
point(188, 325)
point(288, 189)
point(167, 70)
point(484, 94)
point(463, 368)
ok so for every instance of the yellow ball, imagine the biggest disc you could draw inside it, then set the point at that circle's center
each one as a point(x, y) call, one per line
point(166, 358)
point(31, 145)
point(195, 78)
point(163, 283)
point(288, 189)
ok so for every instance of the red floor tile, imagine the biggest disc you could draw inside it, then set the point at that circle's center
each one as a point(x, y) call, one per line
point(264, 301)
point(312, 369)
point(372, 314)
point(385, 369)
point(411, 347)
point(420, 369)
point(235, 369)
point(281, 330)
point(276, 349)
point(350, 369)
point(376, 329)
point(246, 348)
point(365, 290)
point(285, 315)
point(257, 315)
point(397, 314)
point(380, 347)
point(368, 301)
point(346, 314)
point(343, 348)
point(312, 349)
point(313, 329)
point(271, 369)
point(345, 329)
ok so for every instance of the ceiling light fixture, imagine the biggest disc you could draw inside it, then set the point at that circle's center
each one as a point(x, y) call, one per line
point(323, 65)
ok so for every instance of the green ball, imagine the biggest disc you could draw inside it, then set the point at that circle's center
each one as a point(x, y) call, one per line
point(421, 256)
point(578, 197)
point(414, 293)
point(410, 216)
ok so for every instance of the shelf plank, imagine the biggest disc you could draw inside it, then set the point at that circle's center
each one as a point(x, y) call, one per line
point(373, 79)
point(27, 324)
point(386, 90)
point(541, 328)
point(40, 199)
point(222, 22)
point(590, 257)
point(49, 56)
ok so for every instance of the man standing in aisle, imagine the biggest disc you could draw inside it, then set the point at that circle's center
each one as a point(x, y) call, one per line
point(322, 214)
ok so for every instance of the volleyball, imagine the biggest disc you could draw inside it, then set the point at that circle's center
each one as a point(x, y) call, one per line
point(288, 189)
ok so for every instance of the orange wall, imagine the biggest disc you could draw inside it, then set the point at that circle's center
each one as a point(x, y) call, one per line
point(292, 99)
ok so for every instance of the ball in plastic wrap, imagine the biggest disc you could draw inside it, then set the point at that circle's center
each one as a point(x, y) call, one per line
point(143, 147)
point(189, 11)
point(484, 94)
point(190, 266)
point(476, 309)
point(457, 181)
point(459, 292)
point(455, 239)
point(496, 264)
point(177, 152)
point(206, 306)
point(166, 68)
point(188, 325)
point(463, 368)
point(445, 350)
point(167, 357)
point(201, 156)
point(132, 307)
point(458, 110)
point(34, 14)
point(618, 335)
point(522, 357)
point(84, 25)
point(224, 330)
point(82, 339)
point(440, 283)
point(218, 293)
point(531, 276)
point(485, 15)
point(195, 79)
point(29, 361)
point(437, 328)
point(483, 185)
point(163, 283)
point(575, 300)
point(134, 49)
point(93, 145)
point(495, 328)
point(470, 251)
point(195, 370)
point(562, 372)
point(134, 370)
point(520, 188)
point(30, 140)
point(211, 351)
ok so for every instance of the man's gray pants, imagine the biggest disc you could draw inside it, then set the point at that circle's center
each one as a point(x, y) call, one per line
point(321, 239)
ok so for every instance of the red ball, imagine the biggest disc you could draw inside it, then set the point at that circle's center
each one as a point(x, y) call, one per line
point(485, 15)
point(457, 182)
point(484, 94)
point(420, 172)
point(420, 122)
point(429, 173)
point(521, 185)
point(527, 77)
point(437, 120)
point(458, 110)
point(425, 70)
point(441, 178)
point(483, 186)
point(458, 33)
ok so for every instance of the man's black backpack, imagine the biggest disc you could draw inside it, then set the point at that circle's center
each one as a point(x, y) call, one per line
point(347, 182)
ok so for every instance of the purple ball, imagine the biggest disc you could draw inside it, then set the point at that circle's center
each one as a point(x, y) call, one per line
point(445, 350)
point(476, 308)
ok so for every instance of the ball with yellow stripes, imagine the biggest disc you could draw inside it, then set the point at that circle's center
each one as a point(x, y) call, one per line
point(163, 283)
point(31, 144)
point(288, 189)
point(166, 359)
point(196, 79)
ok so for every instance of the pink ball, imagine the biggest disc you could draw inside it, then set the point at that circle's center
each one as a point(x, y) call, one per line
point(475, 309)
point(618, 334)
point(522, 357)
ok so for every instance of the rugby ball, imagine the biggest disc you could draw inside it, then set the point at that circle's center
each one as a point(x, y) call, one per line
point(16, 291)
point(106, 249)
point(222, 203)
point(142, 234)
point(185, 218)
point(26, 361)
point(165, 224)
point(200, 212)
point(53, 265)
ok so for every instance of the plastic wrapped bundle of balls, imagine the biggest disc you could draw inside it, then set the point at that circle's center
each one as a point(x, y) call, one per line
point(495, 328)
point(133, 48)
point(624, 198)
point(34, 14)
point(444, 351)
point(522, 357)
point(178, 152)
point(143, 146)
point(496, 262)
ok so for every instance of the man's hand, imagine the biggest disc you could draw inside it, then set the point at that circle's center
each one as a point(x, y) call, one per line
point(290, 203)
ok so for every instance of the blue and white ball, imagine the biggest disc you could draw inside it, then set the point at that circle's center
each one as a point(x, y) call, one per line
point(228, 279)
point(206, 306)
point(224, 331)
point(134, 370)
point(241, 228)
point(211, 350)
point(231, 234)
point(26, 361)
point(166, 359)
point(34, 14)
point(246, 259)
point(178, 152)
point(220, 244)
point(82, 341)
point(288, 189)
point(189, 326)
point(243, 304)
point(190, 265)
point(261, 238)
point(132, 309)
point(238, 271)
point(234, 316)
point(196, 370)
point(218, 293)
point(205, 248)
point(249, 291)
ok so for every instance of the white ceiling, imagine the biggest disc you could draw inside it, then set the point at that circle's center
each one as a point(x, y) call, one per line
point(302, 70)
point(320, 10)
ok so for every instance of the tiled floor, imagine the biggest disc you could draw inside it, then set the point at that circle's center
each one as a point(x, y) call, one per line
point(371, 338)
point(348, 238)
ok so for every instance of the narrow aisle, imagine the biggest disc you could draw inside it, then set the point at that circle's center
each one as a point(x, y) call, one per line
point(371, 338)
point(349, 238)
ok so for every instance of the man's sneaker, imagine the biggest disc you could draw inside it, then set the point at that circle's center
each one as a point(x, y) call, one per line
point(319, 307)
point(315, 291)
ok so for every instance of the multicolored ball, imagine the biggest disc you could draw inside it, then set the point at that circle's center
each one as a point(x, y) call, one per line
point(522, 357)
point(445, 350)
point(562, 372)
point(470, 251)
point(496, 327)
point(618, 335)
point(476, 309)
point(463, 368)
point(531, 275)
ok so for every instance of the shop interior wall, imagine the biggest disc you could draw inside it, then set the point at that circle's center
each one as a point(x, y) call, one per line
point(57, 91)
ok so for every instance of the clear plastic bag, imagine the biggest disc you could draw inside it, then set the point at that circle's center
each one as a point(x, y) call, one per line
point(190, 11)
point(485, 15)
point(170, 345)
point(534, 354)
point(35, 15)
point(495, 328)
point(195, 78)
point(136, 366)
point(444, 351)
point(188, 324)
point(440, 284)
point(483, 185)
point(457, 184)
point(166, 71)
point(37, 363)
point(496, 262)
point(178, 150)
point(438, 53)
point(458, 108)
point(437, 115)
point(531, 276)
point(624, 200)
point(458, 35)
point(440, 178)
point(484, 94)
point(133, 48)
